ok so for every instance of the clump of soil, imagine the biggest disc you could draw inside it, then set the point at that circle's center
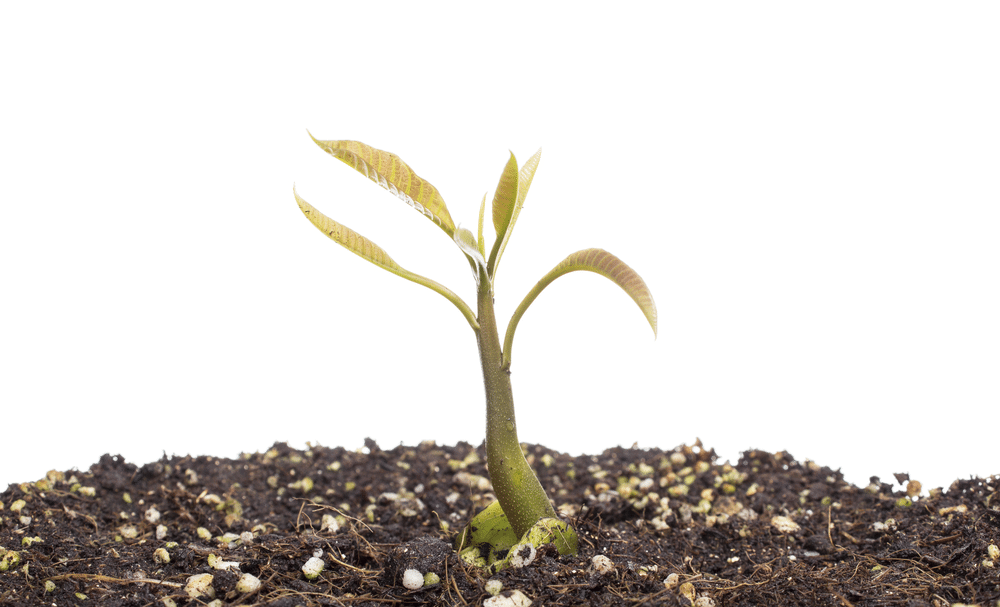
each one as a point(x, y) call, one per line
point(656, 528)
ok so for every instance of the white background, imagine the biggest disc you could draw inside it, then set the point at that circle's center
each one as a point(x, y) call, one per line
point(811, 193)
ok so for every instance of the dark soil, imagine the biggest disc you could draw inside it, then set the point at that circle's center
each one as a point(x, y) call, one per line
point(678, 528)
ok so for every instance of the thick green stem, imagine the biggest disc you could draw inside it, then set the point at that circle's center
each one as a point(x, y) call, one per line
point(520, 494)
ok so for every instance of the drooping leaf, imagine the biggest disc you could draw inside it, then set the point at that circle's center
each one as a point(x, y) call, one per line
point(508, 215)
point(592, 260)
point(368, 250)
point(389, 171)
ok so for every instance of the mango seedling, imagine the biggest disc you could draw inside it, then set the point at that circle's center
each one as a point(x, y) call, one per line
point(522, 518)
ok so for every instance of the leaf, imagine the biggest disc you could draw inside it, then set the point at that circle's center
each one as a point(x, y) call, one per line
point(348, 238)
point(482, 243)
point(526, 174)
point(509, 210)
point(389, 171)
point(592, 260)
point(505, 197)
point(368, 250)
point(504, 203)
point(487, 538)
point(467, 242)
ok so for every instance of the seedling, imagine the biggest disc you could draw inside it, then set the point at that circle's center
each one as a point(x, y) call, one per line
point(522, 514)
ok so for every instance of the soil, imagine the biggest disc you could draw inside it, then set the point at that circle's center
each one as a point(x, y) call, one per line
point(676, 527)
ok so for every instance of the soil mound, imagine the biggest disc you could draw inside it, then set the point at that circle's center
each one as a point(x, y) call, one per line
point(329, 526)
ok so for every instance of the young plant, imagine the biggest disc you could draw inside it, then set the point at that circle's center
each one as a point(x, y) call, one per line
point(522, 514)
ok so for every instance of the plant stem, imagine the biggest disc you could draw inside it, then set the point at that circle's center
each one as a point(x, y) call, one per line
point(520, 494)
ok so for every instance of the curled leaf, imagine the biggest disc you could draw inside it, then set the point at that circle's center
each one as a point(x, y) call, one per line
point(389, 171)
point(592, 260)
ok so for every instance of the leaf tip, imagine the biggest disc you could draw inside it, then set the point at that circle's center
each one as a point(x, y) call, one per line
point(316, 141)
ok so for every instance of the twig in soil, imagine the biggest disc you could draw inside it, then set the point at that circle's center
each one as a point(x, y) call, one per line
point(647, 599)
point(73, 514)
point(365, 597)
point(829, 527)
point(112, 580)
point(272, 598)
point(454, 583)
point(944, 540)
point(560, 586)
point(343, 564)
point(740, 585)
point(298, 519)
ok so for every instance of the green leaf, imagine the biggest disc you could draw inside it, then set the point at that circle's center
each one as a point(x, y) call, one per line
point(467, 242)
point(592, 260)
point(482, 243)
point(525, 175)
point(389, 171)
point(368, 250)
point(507, 203)
point(487, 538)
point(504, 202)
point(505, 197)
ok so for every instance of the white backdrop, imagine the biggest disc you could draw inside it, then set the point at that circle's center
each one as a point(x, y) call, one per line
point(810, 192)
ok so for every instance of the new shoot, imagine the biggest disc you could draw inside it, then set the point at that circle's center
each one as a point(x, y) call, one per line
point(522, 518)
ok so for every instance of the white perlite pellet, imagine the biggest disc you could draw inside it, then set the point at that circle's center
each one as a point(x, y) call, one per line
point(248, 583)
point(200, 585)
point(522, 556)
point(329, 524)
point(312, 568)
point(784, 524)
point(412, 579)
point(602, 564)
point(508, 598)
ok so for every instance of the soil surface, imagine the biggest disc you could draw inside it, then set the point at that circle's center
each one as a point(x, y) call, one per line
point(656, 528)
